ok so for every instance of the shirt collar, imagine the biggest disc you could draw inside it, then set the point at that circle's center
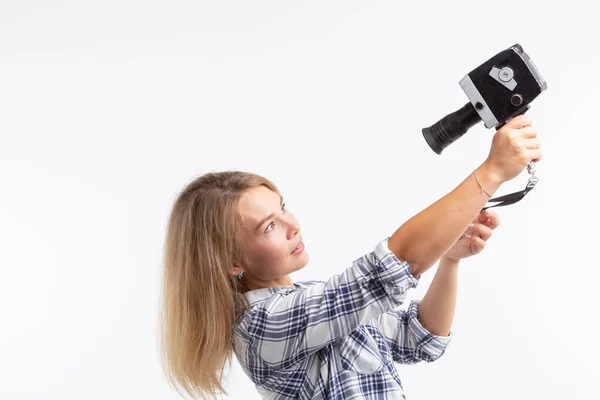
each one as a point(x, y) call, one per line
point(256, 295)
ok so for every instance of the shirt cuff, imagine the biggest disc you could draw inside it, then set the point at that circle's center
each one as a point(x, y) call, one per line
point(395, 275)
point(430, 347)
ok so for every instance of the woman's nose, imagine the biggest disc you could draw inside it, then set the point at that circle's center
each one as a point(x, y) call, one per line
point(294, 226)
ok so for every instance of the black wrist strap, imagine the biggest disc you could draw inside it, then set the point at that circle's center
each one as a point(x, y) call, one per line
point(514, 197)
point(533, 180)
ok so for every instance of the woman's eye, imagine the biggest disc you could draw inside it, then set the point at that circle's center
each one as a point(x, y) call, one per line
point(273, 223)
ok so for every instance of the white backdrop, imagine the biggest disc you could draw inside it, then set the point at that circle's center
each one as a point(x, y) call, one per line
point(107, 109)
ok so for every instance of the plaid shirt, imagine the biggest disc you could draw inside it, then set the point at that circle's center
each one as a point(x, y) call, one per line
point(337, 339)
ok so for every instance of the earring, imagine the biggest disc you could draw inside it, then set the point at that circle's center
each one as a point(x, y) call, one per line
point(240, 275)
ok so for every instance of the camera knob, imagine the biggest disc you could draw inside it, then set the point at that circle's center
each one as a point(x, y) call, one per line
point(516, 100)
point(506, 74)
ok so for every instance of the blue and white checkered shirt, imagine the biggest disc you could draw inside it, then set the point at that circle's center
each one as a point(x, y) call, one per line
point(337, 339)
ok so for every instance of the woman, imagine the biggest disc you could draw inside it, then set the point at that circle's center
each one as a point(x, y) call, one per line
point(231, 246)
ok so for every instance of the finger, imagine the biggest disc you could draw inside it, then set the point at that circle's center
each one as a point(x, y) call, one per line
point(528, 132)
point(534, 143)
point(478, 243)
point(493, 221)
point(518, 122)
point(535, 155)
point(484, 232)
point(483, 216)
point(489, 218)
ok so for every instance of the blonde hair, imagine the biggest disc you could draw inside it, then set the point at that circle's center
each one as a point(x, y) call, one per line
point(200, 299)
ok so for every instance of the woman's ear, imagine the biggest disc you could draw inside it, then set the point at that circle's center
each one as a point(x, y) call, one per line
point(236, 270)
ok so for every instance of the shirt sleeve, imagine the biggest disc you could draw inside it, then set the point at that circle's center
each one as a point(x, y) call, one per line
point(289, 326)
point(409, 341)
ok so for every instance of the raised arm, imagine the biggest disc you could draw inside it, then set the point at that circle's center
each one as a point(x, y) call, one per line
point(424, 238)
point(293, 324)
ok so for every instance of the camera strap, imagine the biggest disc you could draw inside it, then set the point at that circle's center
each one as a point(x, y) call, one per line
point(533, 180)
point(516, 196)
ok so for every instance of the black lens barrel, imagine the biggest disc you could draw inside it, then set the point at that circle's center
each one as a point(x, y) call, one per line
point(441, 134)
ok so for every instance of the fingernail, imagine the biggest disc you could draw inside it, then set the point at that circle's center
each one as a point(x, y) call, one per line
point(468, 236)
point(488, 212)
point(471, 225)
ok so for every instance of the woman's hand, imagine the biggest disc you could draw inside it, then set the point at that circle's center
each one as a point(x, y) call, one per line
point(475, 236)
point(513, 147)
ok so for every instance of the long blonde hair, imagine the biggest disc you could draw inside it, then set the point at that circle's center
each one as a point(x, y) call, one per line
point(200, 299)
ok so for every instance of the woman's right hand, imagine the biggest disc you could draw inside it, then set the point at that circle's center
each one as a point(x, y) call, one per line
point(513, 147)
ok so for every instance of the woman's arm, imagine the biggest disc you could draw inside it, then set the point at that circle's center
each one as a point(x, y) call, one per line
point(423, 239)
point(436, 311)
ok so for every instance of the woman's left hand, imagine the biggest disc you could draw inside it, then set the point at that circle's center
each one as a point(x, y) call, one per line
point(475, 236)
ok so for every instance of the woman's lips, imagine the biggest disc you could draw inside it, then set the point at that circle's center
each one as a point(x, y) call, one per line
point(299, 249)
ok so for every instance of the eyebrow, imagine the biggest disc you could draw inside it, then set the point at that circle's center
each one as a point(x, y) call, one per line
point(269, 216)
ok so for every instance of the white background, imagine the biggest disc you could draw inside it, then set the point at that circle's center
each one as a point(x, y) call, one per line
point(108, 108)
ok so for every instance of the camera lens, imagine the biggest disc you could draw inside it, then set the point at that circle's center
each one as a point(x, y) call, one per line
point(444, 132)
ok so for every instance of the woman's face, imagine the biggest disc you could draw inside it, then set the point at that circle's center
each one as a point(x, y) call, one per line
point(270, 235)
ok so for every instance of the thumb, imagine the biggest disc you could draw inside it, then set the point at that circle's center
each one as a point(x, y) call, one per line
point(483, 216)
point(518, 122)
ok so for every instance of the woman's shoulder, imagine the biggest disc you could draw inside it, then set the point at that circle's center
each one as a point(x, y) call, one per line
point(260, 298)
point(308, 283)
